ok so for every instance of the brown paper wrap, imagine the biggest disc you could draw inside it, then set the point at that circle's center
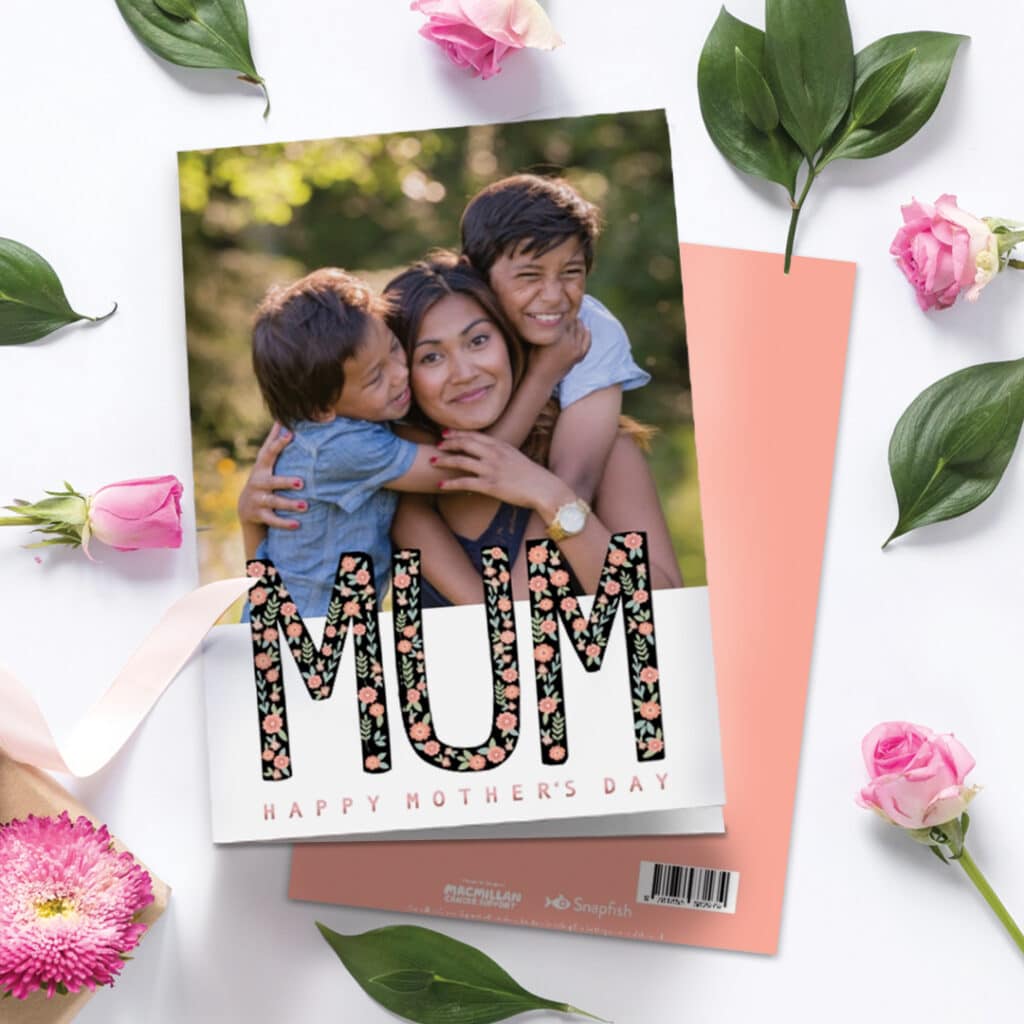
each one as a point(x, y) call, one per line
point(25, 791)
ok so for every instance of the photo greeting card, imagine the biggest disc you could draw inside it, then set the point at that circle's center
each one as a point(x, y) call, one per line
point(474, 531)
point(756, 337)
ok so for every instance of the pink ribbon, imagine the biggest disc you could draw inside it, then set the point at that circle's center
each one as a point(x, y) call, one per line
point(108, 724)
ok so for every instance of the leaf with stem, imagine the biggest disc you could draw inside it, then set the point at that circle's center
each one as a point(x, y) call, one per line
point(196, 34)
point(950, 448)
point(32, 299)
point(422, 975)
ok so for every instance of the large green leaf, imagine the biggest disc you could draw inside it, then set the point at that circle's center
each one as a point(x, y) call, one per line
point(32, 299)
point(950, 448)
point(425, 976)
point(809, 59)
point(770, 155)
point(196, 34)
point(915, 101)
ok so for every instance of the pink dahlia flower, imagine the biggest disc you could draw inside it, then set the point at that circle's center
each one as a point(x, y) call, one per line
point(68, 906)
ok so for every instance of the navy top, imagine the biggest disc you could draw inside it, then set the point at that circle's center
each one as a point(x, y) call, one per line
point(506, 529)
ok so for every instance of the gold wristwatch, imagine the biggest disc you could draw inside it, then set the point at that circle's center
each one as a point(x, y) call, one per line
point(569, 520)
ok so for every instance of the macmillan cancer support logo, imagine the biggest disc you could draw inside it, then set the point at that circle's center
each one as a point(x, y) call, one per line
point(488, 896)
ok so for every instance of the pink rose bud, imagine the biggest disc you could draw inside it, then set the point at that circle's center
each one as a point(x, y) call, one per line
point(917, 776)
point(943, 250)
point(477, 34)
point(137, 514)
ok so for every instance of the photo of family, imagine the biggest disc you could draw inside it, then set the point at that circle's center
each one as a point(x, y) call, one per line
point(443, 340)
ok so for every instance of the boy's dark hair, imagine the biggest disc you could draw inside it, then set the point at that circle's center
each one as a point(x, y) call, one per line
point(303, 334)
point(540, 212)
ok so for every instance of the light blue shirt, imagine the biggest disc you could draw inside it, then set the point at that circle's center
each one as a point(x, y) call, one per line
point(344, 465)
point(609, 361)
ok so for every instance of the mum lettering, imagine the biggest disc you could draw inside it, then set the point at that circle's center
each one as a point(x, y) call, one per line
point(353, 611)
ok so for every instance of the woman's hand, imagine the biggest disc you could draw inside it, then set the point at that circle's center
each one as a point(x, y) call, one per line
point(258, 504)
point(492, 467)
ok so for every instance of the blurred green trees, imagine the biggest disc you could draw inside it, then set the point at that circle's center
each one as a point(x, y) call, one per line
point(255, 215)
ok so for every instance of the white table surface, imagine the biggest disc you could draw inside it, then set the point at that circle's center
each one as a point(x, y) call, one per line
point(927, 630)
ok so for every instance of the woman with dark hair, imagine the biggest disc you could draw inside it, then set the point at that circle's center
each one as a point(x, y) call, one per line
point(463, 359)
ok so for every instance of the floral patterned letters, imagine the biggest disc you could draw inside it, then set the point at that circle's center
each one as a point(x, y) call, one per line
point(412, 666)
point(625, 577)
point(353, 607)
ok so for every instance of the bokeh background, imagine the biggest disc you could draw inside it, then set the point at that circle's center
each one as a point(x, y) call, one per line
point(256, 215)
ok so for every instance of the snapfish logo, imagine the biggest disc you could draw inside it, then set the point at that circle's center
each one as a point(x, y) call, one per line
point(558, 902)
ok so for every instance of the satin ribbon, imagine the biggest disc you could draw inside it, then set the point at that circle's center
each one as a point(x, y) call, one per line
point(110, 722)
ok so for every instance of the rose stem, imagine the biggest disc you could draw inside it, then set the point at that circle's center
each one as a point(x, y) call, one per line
point(986, 890)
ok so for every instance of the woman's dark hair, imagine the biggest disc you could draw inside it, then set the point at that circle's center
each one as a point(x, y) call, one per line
point(302, 335)
point(418, 288)
point(526, 209)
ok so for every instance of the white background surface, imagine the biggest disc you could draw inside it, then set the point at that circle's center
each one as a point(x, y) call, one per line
point(927, 630)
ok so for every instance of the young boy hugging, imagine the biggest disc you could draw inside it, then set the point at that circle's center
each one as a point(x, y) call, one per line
point(533, 238)
point(332, 372)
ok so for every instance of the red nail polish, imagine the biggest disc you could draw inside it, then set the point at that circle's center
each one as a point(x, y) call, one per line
point(441, 483)
point(296, 484)
point(293, 526)
point(445, 432)
point(303, 506)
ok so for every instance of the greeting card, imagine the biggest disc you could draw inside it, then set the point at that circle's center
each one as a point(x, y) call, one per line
point(474, 531)
point(768, 353)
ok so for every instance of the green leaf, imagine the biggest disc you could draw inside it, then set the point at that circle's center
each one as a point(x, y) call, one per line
point(915, 100)
point(772, 155)
point(184, 9)
point(214, 35)
point(874, 96)
point(425, 976)
point(755, 95)
point(938, 853)
point(950, 448)
point(809, 59)
point(32, 299)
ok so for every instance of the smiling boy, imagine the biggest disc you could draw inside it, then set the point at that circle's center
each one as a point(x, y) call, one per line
point(533, 238)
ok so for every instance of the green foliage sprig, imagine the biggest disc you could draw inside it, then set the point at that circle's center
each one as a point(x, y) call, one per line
point(425, 976)
point(951, 447)
point(796, 94)
point(196, 34)
point(32, 299)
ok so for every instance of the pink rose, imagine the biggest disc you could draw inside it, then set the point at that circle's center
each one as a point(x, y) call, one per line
point(431, 748)
point(402, 580)
point(543, 652)
point(510, 675)
point(372, 763)
point(556, 753)
point(917, 776)
point(559, 578)
point(633, 541)
point(282, 761)
point(477, 34)
point(649, 675)
point(496, 755)
point(137, 514)
point(546, 705)
point(476, 762)
point(272, 724)
point(942, 250)
point(375, 710)
point(654, 745)
point(367, 694)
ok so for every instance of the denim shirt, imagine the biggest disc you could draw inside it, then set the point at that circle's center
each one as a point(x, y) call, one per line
point(344, 465)
point(609, 361)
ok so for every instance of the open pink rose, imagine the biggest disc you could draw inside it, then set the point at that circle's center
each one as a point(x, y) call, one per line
point(917, 776)
point(137, 514)
point(944, 250)
point(477, 34)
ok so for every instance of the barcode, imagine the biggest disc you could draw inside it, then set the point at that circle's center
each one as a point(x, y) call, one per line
point(679, 885)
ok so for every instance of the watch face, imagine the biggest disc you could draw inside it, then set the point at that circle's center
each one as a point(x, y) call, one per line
point(571, 518)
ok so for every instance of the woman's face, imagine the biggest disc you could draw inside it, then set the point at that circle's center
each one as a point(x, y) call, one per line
point(460, 372)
